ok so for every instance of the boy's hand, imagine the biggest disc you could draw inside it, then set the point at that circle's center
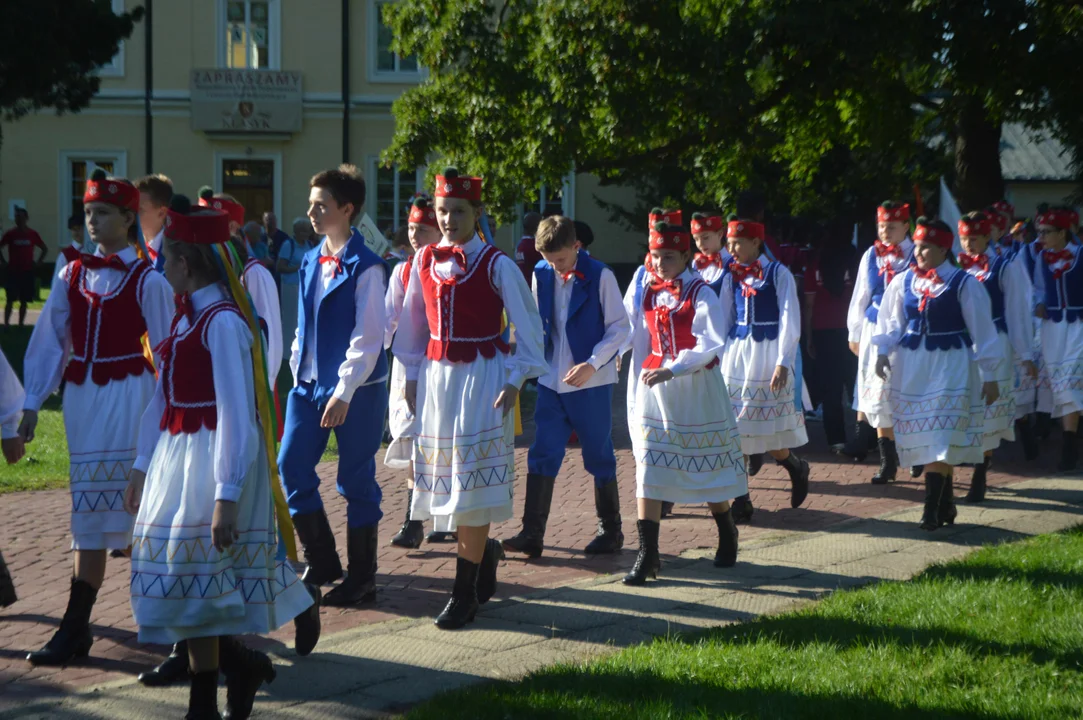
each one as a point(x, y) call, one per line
point(335, 413)
point(224, 524)
point(855, 348)
point(14, 449)
point(410, 391)
point(1031, 368)
point(778, 379)
point(1039, 312)
point(28, 425)
point(133, 494)
point(506, 399)
point(883, 367)
point(657, 376)
point(579, 374)
point(991, 392)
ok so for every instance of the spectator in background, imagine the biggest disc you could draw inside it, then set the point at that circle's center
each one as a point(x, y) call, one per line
point(72, 251)
point(257, 246)
point(290, 254)
point(400, 246)
point(526, 255)
point(584, 234)
point(20, 242)
point(274, 236)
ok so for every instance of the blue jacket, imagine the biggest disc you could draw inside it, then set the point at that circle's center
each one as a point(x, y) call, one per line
point(586, 320)
point(940, 324)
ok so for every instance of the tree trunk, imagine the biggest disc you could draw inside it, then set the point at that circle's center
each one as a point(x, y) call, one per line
point(978, 180)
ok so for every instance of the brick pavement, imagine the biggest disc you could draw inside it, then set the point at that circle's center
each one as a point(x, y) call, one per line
point(34, 538)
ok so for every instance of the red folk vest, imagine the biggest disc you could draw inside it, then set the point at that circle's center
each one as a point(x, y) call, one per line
point(187, 374)
point(70, 253)
point(464, 312)
point(107, 330)
point(671, 328)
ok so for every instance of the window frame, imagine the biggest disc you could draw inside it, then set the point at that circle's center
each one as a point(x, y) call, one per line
point(64, 179)
point(372, 187)
point(274, 34)
point(567, 202)
point(374, 74)
point(115, 68)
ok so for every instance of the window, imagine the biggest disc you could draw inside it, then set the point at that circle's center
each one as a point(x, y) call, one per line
point(115, 67)
point(550, 202)
point(80, 172)
point(250, 34)
point(73, 169)
point(383, 63)
point(391, 196)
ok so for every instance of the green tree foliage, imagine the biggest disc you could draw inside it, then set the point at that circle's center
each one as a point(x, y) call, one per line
point(828, 104)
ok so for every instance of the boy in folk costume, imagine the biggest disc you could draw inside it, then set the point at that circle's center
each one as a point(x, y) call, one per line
point(71, 251)
point(936, 339)
point(90, 335)
point(12, 398)
point(155, 194)
point(1058, 302)
point(423, 230)
point(340, 383)
point(889, 256)
point(203, 566)
point(585, 325)
point(686, 442)
point(759, 299)
point(709, 233)
point(1009, 294)
point(260, 284)
point(462, 383)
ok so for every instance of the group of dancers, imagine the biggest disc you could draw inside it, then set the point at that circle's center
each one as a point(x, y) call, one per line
point(164, 342)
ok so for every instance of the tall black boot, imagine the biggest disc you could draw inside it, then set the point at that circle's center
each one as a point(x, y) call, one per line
point(307, 626)
point(889, 462)
point(1024, 430)
point(7, 586)
point(490, 561)
point(412, 532)
point(1069, 452)
point(742, 509)
point(245, 671)
point(916, 471)
point(318, 542)
point(1043, 425)
point(360, 583)
point(858, 447)
point(73, 638)
point(667, 509)
point(798, 470)
point(726, 555)
point(977, 482)
point(934, 491)
point(948, 512)
point(754, 463)
point(610, 538)
point(170, 670)
point(539, 497)
point(203, 697)
point(463, 605)
point(648, 562)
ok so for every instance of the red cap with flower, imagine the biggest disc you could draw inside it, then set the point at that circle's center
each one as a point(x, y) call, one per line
point(453, 185)
point(669, 217)
point(707, 223)
point(974, 226)
point(422, 213)
point(895, 214)
point(196, 226)
point(114, 191)
point(1004, 207)
point(745, 229)
point(669, 237)
point(934, 235)
point(1056, 217)
point(233, 210)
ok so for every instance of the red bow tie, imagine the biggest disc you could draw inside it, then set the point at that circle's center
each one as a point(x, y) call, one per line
point(969, 261)
point(452, 252)
point(97, 262)
point(185, 307)
point(152, 255)
point(572, 274)
point(673, 287)
point(332, 259)
point(740, 272)
point(929, 275)
point(705, 261)
point(883, 249)
point(1054, 256)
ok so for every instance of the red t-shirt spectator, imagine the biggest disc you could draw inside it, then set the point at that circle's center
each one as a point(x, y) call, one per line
point(828, 310)
point(20, 244)
point(526, 257)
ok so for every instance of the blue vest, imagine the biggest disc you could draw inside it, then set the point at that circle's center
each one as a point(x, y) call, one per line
point(941, 323)
point(1063, 297)
point(717, 284)
point(333, 320)
point(994, 285)
point(877, 285)
point(585, 324)
point(757, 314)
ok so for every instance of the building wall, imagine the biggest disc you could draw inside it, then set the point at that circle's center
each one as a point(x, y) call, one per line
point(1027, 196)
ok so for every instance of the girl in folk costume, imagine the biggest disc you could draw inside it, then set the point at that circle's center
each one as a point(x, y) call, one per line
point(1058, 302)
point(935, 321)
point(423, 230)
point(462, 383)
point(1001, 215)
point(89, 334)
point(260, 285)
point(1009, 293)
point(203, 559)
point(686, 443)
point(12, 398)
point(889, 256)
point(708, 231)
point(764, 326)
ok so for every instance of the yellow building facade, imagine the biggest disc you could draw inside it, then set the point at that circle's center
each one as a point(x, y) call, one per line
point(247, 96)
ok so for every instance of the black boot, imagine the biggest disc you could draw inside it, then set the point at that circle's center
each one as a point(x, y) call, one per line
point(463, 605)
point(648, 562)
point(73, 638)
point(306, 626)
point(1043, 425)
point(1024, 430)
point(726, 555)
point(858, 447)
point(977, 482)
point(754, 463)
point(934, 491)
point(916, 471)
point(490, 561)
point(889, 462)
point(742, 509)
point(412, 532)
point(245, 670)
point(539, 497)
point(667, 509)
point(948, 512)
point(7, 587)
point(1069, 452)
point(203, 697)
point(610, 538)
point(170, 670)
point(360, 583)
point(437, 536)
point(318, 541)
point(798, 470)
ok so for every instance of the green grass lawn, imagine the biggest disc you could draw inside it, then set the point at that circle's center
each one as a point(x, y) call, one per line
point(43, 295)
point(997, 635)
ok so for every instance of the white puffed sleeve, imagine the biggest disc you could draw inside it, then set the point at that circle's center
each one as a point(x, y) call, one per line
point(12, 398)
point(618, 328)
point(859, 301)
point(150, 425)
point(158, 307)
point(412, 336)
point(1017, 310)
point(891, 322)
point(50, 344)
point(978, 315)
point(789, 318)
point(261, 286)
point(528, 360)
point(236, 439)
point(709, 329)
point(393, 300)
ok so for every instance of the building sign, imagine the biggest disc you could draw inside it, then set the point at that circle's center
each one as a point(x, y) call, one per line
point(249, 101)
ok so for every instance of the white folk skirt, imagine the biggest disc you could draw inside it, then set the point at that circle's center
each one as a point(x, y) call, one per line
point(182, 587)
point(1062, 350)
point(102, 425)
point(687, 446)
point(937, 407)
point(464, 449)
point(872, 395)
point(1000, 416)
point(766, 420)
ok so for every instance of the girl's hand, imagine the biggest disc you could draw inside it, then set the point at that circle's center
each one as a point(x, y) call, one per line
point(855, 348)
point(224, 524)
point(656, 377)
point(778, 379)
point(28, 425)
point(506, 399)
point(991, 392)
point(883, 367)
point(1039, 312)
point(133, 494)
point(1031, 368)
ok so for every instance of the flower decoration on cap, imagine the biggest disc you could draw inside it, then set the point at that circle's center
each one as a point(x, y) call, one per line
point(1057, 218)
point(114, 191)
point(422, 213)
point(453, 185)
point(895, 214)
point(669, 237)
point(233, 210)
point(974, 226)
point(745, 229)
point(204, 227)
point(1004, 207)
point(997, 221)
point(669, 217)
point(934, 236)
point(707, 223)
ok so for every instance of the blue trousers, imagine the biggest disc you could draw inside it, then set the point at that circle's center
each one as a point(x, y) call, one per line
point(590, 414)
point(303, 442)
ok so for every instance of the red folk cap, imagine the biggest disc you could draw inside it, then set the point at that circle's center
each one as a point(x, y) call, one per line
point(969, 227)
point(711, 223)
point(113, 191)
point(934, 236)
point(745, 229)
point(234, 210)
point(1005, 207)
point(669, 217)
point(671, 238)
point(899, 214)
point(423, 216)
point(205, 227)
point(464, 188)
point(1060, 219)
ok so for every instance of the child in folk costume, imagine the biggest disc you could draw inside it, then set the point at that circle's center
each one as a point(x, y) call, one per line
point(340, 383)
point(155, 194)
point(462, 383)
point(423, 230)
point(12, 398)
point(686, 441)
point(935, 336)
point(889, 256)
point(999, 215)
point(708, 232)
point(71, 251)
point(1009, 293)
point(203, 559)
point(89, 334)
point(759, 297)
point(585, 325)
point(260, 284)
point(1058, 301)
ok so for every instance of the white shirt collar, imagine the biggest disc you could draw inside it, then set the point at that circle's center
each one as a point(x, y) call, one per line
point(204, 297)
